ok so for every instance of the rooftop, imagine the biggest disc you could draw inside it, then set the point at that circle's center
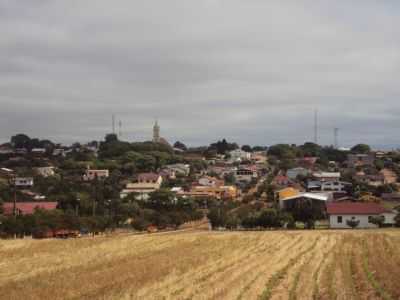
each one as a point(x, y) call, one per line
point(27, 208)
point(359, 208)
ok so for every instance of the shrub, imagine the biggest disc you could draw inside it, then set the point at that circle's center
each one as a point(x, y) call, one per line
point(353, 223)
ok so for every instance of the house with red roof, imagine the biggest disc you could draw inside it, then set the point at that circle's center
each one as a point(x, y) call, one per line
point(363, 212)
point(27, 208)
point(146, 184)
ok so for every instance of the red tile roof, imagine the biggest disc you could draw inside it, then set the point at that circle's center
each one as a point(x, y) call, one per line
point(354, 208)
point(27, 208)
point(148, 177)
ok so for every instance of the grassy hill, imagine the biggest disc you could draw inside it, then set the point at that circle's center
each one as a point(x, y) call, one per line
point(205, 265)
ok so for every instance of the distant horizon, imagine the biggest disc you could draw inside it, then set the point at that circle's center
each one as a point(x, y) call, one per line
point(386, 147)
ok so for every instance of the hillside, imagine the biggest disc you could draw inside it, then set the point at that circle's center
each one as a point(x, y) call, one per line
point(205, 265)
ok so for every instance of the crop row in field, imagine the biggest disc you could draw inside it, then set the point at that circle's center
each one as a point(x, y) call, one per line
point(206, 265)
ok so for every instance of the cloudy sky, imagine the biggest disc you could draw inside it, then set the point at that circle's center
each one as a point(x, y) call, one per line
point(251, 71)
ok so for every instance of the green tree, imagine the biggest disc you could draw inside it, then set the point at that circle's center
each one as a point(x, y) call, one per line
point(180, 145)
point(246, 148)
point(20, 141)
point(361, 149)
point(378, 220)
point(111, 137)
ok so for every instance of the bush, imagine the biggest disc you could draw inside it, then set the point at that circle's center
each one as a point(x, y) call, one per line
point(353, 223)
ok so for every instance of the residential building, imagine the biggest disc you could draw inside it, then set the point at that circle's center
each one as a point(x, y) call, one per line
point(6, 150)
point(327, 186)
point(259, 157)
point(33, 195)
point(370, 179)
point(281, 180)
point(355, 160)
point(45, 171)
point(293, 173)
point(6, 173)
point(92, 174)
point(326, 176)
point(307, 162)
point(239, 155)
point(146, 184)
point(218, 192)
point(389, 176)
point(38, 151)
point(59, 152)
point(182, 169)
point(362, 212)
point(286, 193)
point(245, 174)
point(210, 181)
point(318, 200)
point(27, 208)
point(23, 181)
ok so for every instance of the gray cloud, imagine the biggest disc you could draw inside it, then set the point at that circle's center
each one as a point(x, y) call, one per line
point(252, 71)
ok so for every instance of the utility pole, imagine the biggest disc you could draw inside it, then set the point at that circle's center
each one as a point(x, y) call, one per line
point(95, 196)
point(13, 184)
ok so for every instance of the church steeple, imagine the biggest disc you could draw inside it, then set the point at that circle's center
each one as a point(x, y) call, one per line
point(156, 132)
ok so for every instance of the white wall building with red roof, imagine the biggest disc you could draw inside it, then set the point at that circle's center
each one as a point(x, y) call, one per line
point(341, 212)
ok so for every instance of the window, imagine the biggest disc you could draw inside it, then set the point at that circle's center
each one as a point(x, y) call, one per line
point(339, 219)
point(369, 219)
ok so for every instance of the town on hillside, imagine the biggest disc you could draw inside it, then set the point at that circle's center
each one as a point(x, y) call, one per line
point(52, 190)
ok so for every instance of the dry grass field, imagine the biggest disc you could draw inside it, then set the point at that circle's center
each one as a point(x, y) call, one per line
point(205, 265)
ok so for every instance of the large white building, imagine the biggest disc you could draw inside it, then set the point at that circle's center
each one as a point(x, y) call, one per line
point(239, 155)
point(340, 213)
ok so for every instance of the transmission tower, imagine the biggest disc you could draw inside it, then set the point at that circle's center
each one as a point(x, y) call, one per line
point(336, 137)
point(316, 126)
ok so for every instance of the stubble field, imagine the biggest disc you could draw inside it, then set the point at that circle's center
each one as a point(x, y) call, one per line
point(205, 265)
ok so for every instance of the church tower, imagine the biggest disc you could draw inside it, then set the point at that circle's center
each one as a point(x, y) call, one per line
point(156, 133)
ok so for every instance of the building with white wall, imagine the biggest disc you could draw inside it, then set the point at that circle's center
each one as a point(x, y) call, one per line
point(362, 212)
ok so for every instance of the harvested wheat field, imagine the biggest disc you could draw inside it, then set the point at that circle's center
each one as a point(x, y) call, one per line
point(206, 265)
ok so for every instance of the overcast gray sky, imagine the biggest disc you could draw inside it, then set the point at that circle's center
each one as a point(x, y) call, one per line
point(250, 71)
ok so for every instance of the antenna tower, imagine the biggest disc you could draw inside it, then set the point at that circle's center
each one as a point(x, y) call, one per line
point(113, 123)
point(336, 137)
point(316, 126)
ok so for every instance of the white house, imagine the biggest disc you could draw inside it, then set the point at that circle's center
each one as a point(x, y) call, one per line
point(327, 186)
point(93, 174)
point(362, 212)
point(45, 171)
point(24, 181)
point(239, 155)
point(147, 183)
point(182, 169)
point(293, 173)
point(327, 176)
